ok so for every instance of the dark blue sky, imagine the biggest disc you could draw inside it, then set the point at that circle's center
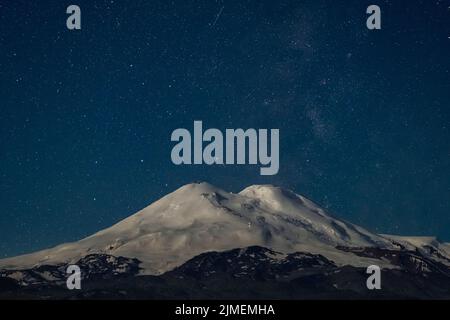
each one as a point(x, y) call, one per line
point(86, 116)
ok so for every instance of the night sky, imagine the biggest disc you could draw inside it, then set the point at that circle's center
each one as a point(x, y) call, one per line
point(86, 116)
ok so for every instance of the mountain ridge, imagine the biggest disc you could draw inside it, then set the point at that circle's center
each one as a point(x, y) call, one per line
point(200, 217)
point(242, 273)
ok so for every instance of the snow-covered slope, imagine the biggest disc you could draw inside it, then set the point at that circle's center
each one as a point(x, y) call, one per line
point(200, 217)
point(430, 246)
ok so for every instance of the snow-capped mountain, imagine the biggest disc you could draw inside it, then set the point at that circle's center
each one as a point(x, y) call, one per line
point(199, 218)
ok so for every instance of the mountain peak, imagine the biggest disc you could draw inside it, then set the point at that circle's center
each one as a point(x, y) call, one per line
point(276, 197)
point(199, 217)
point(199, 187)
point(266, 190)
point(262, 187)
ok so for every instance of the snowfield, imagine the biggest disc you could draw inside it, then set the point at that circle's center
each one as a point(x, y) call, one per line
point(199, 217)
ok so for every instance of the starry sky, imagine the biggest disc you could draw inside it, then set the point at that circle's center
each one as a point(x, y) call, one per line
point(86, 116)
